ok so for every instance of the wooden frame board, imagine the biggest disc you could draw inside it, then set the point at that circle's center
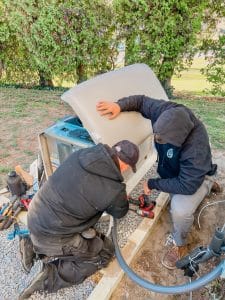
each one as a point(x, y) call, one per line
point(45, 155)
point(113, 273)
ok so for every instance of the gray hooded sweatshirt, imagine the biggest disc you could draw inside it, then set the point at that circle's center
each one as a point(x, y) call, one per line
point(185, 158)
point(85, 185)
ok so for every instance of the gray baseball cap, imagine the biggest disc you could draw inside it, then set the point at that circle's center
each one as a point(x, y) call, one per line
point(128, 152)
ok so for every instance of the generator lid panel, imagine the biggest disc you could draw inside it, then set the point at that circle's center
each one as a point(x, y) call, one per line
point(136, 79)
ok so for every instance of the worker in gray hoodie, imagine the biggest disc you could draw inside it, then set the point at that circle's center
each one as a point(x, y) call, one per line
point(65, 209)
point(184, 161)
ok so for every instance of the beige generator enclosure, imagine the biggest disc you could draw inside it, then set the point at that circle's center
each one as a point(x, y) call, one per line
point(137, 79)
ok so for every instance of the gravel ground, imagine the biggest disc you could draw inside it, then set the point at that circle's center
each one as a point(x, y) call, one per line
point(14, 280)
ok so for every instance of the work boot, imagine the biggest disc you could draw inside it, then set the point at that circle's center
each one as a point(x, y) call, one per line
point(89, 233)
point(27, 253)
point(38, 284)
point(216, 188)
point(173, 254)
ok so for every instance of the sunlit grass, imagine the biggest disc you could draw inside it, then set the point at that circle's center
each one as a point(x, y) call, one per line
point(192, 80)
point(212, 115)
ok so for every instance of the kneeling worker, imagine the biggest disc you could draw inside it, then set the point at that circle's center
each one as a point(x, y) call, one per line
point(185, 165)
point(62, 214)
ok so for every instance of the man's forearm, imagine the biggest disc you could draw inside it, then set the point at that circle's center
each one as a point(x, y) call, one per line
point(175, 185)
point(131, 103)
point(149, 108)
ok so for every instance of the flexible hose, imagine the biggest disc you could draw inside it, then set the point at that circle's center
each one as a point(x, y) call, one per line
point(176, 289)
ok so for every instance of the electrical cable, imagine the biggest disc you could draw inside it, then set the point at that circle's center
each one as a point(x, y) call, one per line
point(176, 289)
point(191, 293)
point(209, 204)
point(110, 226)
point(223, 228)
point(192, 260)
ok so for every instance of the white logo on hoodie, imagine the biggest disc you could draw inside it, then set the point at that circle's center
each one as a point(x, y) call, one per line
point(169, 153)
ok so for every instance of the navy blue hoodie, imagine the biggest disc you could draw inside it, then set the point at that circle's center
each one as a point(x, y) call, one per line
point(186, 158)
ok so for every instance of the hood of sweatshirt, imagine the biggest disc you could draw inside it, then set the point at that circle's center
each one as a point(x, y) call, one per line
point(97, 160)
point(174, 125)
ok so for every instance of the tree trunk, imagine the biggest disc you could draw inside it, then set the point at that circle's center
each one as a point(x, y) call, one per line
point(81, 74)
point(44, 80)
point(1, 68)
point(166, 81)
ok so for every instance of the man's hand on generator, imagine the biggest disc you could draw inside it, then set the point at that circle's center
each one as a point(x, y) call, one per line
point(108, 108)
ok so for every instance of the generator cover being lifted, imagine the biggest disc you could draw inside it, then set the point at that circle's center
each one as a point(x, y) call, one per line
point(137, 79)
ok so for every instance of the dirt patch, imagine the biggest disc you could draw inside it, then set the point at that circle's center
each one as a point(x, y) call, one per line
point(147, 263)
point(24, 114)
point(191, 96)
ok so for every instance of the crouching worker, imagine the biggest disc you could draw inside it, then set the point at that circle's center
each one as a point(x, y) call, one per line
point(185, 165)
point(63, 212)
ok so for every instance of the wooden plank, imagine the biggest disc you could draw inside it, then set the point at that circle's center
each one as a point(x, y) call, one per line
point(45, 155)
point(113, 273)
point(3, 199)
point(4, 191)
point(22, 217)
point(29, 179)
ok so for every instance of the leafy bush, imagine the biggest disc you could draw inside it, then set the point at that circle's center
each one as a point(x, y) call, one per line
point(73, 40)
point(162, 34)
point(214, 48)
point(66, 39)
point(215, 70)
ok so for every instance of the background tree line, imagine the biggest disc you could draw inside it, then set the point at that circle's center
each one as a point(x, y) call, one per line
point(41, 40)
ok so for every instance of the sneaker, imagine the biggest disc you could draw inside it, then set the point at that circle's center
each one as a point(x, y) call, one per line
point(173, 254)
point(26, 253)
point(216, 188)
point(170, 240)
point(37, 285)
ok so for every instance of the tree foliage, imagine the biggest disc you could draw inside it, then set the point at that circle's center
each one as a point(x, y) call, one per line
point(69, 39)
point(9, 47)
point(215, 69)
point(162, 34)
point(41, 40)
point(214, 48)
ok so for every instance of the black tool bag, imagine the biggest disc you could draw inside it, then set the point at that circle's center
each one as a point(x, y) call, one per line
point(73, 269)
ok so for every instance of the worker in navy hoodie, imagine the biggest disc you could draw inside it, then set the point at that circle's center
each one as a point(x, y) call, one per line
point(184, 162)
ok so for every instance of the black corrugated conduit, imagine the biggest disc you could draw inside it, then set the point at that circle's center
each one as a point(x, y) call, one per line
point(176, 289)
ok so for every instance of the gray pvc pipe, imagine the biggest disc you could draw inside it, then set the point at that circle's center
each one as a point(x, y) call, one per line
point(176, 289)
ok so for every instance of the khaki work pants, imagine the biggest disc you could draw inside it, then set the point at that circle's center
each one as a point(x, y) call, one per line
point(183, 207)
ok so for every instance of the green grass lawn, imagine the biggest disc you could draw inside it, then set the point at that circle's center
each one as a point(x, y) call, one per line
point(192, 79)
point(212, 114)
point(24, 113)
